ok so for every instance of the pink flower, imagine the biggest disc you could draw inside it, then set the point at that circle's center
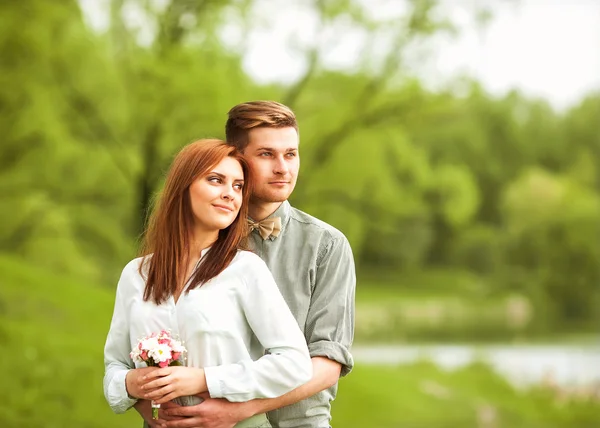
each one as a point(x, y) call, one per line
point(164, 363)
point(164, 341)
point(176, 355)
point(144, 355)
point(140, 345)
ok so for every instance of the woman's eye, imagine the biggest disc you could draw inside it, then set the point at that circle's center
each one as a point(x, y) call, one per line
point(214, 179)
point(238, 186)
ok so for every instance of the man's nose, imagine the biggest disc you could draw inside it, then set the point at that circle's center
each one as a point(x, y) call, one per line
point(281, 166)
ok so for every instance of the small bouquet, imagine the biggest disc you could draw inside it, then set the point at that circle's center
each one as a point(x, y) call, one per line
point(158, 350)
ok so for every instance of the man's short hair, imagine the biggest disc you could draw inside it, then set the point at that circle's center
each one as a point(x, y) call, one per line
point(244, 117)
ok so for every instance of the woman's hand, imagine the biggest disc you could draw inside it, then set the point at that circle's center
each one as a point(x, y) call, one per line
point(165, 384)
point(134, 381)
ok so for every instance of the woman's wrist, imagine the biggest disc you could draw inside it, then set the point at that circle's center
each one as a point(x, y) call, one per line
point(202, 386)
point(127, 386)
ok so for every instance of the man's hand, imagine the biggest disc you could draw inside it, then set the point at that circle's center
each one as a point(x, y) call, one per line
point(211, 413)
point(144, 408)
point(134, 382)
point(163, 385)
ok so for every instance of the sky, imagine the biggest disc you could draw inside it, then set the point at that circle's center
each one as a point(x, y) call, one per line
point(545, 48)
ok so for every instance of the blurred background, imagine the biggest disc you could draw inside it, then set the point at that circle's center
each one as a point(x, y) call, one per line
point(455, 143)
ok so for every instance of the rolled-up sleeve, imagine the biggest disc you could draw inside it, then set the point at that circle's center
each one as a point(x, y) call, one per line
point(286, 363)
point(330, 319)
point(116, 350)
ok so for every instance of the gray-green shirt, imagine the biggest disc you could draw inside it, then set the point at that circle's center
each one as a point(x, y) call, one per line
point(313, 266)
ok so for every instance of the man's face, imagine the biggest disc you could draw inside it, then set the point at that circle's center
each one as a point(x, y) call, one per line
point(272, 154)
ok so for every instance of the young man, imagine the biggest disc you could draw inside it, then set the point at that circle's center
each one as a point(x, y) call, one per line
point(312, 264)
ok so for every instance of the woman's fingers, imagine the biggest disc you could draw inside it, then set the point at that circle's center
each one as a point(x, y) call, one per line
point(156, 373)
point(170, 396)
point(159, 393)
point(157, 383)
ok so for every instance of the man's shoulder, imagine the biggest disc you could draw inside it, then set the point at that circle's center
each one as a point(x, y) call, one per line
point(312, 224)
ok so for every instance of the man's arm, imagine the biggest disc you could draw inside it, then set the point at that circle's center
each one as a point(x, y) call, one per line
point(330, 326)
point(325, 374)
point(218, 413)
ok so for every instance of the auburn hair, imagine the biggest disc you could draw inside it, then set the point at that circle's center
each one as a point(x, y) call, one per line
point(167, 239)
point(244, 117)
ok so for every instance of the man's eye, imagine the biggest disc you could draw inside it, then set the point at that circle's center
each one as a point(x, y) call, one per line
point(291, 154)
point(265, 154)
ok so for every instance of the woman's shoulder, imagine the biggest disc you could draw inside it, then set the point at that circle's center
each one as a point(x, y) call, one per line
point(248, 263)
point(133, 267)
point(247, 257)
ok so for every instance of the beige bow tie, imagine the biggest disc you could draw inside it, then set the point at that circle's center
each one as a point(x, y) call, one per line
point(266, 227)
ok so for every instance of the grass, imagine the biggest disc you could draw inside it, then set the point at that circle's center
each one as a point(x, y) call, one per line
point(422, 395)
point(53, 330)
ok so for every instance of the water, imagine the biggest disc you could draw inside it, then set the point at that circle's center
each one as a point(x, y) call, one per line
point(522, 365)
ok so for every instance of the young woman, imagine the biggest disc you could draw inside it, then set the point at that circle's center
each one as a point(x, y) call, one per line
point(194, 279)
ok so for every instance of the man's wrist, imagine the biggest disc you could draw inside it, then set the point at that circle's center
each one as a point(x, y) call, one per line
point(251, 408)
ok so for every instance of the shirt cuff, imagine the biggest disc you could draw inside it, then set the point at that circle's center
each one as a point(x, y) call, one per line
point(212, 382)
point(335, 352)
point(118, 398)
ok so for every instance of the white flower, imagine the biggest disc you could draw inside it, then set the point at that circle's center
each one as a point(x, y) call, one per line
point(160, 353)
point(135, 355)
point(149, 343)
point(176, 346)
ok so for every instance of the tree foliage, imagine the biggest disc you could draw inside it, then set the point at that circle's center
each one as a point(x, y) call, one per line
point(504, 187)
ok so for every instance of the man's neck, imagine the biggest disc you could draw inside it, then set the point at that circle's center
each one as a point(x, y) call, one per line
point(260, 210)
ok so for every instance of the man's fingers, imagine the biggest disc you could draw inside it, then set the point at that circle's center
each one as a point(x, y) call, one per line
point(164, 418)
point(183, 411)
point(170, 405)
point(185, 423)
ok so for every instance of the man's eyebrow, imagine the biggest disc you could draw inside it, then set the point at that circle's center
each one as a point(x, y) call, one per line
point(271, 149)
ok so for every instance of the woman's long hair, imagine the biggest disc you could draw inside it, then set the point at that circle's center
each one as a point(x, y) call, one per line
point(166, 243)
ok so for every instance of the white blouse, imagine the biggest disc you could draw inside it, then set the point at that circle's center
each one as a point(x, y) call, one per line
point(236, 326)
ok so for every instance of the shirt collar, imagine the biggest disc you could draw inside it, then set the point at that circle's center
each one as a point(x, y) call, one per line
point(282, 212)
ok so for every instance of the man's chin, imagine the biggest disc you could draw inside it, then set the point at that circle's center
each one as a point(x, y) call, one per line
point(269, 198)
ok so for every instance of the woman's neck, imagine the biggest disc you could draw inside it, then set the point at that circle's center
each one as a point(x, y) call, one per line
point(199, 241)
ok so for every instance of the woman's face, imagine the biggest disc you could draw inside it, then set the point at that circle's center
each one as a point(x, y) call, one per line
point(216, 197)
